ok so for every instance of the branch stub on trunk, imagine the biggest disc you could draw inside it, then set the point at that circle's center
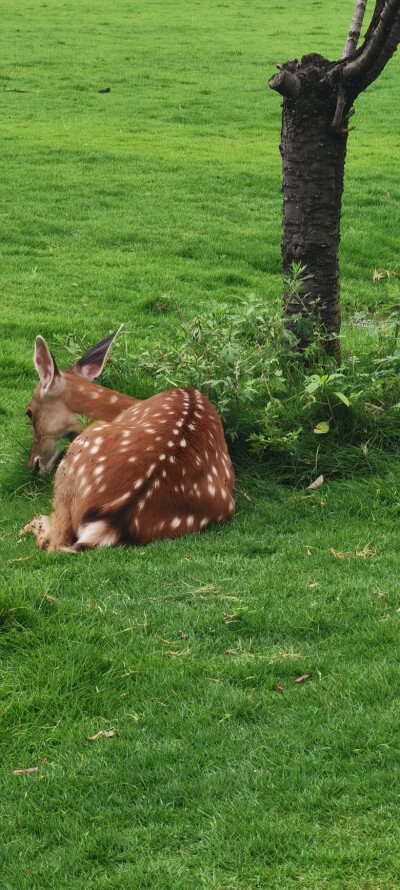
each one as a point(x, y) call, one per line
point(285, 83)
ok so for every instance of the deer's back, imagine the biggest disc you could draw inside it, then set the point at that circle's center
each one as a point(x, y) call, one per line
point(160, 469)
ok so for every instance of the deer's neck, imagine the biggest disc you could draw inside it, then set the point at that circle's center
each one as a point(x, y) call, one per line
point(93, 401)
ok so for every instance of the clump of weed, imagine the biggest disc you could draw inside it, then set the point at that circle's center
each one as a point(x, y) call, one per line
point(278, 401)
point(294, 408)
point(231, 356)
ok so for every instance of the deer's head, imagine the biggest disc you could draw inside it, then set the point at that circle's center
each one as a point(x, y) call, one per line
point(60, 396)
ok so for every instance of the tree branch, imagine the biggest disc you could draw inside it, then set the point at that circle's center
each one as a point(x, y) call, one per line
point(285, 83)
point(379, 5)
point(340, 106)
point(387, 52)
point(354, 30)
point(373, 47)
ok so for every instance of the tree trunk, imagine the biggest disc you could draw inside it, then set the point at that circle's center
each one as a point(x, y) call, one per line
point(313, 157)
point(317, 99)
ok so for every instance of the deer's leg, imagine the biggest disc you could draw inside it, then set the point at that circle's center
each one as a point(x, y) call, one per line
point(62, 536)
point(52, 532)
point(40, 526)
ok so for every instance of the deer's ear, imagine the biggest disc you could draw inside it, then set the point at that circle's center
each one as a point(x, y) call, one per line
point(92, 363)
point(45, 365)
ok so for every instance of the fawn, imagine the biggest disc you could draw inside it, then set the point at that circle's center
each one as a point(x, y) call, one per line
point(145, 470)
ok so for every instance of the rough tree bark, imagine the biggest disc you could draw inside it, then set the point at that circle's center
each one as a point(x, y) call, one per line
point(318, 98)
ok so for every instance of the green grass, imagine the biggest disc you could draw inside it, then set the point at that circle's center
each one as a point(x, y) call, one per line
point(215, 778)
point(170, 185)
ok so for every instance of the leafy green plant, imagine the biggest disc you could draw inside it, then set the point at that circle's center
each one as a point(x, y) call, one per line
point(232, 356)
point(282, 404)
point(293, 410)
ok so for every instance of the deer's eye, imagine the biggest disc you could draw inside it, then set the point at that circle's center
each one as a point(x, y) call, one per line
point(29, 414)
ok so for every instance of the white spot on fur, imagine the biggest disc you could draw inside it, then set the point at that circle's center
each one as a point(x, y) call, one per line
point(183, 443)
point(131, 460)
point(162, 457)
point(120, 500)
point(94, 395)
point(150, 470)
point(138, 483)
point(189, 521)
point(211, 490)
point(98, 471)
point(113, 399)
point(94, 450)
point(223, 494)
point(203, 522)
point(176, 522)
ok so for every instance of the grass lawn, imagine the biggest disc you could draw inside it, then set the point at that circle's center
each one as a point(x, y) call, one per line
point(221, 772)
